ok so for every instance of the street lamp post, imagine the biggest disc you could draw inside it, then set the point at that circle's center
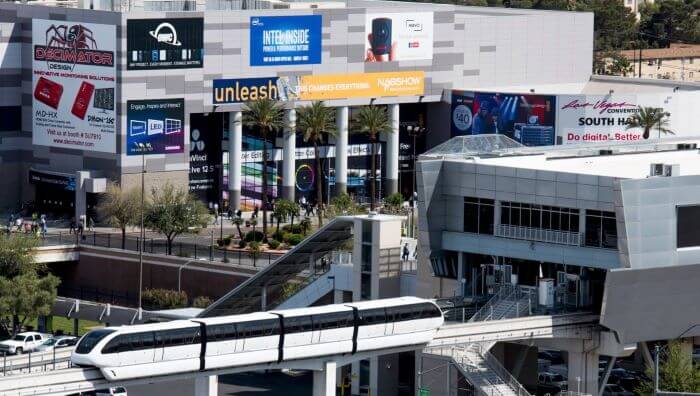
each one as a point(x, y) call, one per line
point(143, 147)
point(414, 131)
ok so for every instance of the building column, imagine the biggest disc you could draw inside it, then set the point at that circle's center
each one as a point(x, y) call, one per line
point(289, 155)
point(583, 372)
point(235, 144)
point(324, 381)
point(341, 151)
point(392, 155)
point(206, 386)
point(496, 217)
point(355, 378)
point(80, 196)
point(374, 375)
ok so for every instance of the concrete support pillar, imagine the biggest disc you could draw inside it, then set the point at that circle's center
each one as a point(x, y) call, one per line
point(235, 144)
point(341, 150)
point(583, 372)
point(263, 298)
point(355, 378)
point(325, 381)
point(289, 155)
point(80, 197)
point(76, 326)
point(206, 386)
point(374, 375)
point(392, 155)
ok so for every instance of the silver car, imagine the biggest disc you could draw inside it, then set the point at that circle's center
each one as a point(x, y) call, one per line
point(57, 343)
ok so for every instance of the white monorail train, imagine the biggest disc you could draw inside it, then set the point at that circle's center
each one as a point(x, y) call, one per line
point(257, 338)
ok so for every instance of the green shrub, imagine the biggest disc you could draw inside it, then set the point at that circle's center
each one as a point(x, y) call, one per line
point(394, 200)
point(201, 302)
point(242, 243)
point(224, 242)
point(164, 299)
point(293, 228)
point(278, 235)
point(254, 236)
point(294, 239)
point(273, 243)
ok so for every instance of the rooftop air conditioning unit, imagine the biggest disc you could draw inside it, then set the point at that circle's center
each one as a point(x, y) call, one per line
point(656, 170)
point(605, 152)
point(686, 146)
point(671, 170)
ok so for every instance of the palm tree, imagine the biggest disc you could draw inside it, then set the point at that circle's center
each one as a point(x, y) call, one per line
point(268, 116)
point(649, 118)
point(315, 122)
point(374, 121)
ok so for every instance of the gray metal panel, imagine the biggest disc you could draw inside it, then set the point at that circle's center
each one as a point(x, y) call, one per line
point(652, 304)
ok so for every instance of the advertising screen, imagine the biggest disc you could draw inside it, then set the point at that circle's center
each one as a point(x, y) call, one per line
point(164, 43)
point(206, 133)
point(399, 37)
point(462, 117)
point(73, 80)
point(285, 40)
point(601, 118)
point(158, 124)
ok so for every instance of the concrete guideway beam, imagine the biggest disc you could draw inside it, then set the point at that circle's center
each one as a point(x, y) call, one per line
point(325, 380)
point(206, 386)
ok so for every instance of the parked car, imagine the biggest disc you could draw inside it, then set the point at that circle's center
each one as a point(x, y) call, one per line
point(557, 380)
point(547, 390)
point(116, 391)
point(616, 390)
point(553, 356)
point(57, 342)
point(22, 342)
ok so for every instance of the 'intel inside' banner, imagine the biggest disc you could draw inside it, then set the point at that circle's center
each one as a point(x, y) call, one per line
point(285, 40)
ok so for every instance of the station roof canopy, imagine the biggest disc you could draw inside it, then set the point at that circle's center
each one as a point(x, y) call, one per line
point(473, 145)
point(248, 296)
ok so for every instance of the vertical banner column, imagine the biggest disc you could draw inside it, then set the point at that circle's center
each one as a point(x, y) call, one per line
point(289, 155)
point(341, 151)
point(235, 143)
point(392, 155)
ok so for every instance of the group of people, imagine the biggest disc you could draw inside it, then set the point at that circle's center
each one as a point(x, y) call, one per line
point(37, 225)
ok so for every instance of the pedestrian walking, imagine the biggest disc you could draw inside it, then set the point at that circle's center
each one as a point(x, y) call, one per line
point(239, 214)
point(255, 212)
point(81, 228)
point(44, 227)
point(90, 224)
point(18, 224)
point(406, 253)
point(216, 219)
point(72, 226)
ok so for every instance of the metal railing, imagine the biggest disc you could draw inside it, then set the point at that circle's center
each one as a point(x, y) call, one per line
point(501, 371)
point(159, 246)
point(35, 361)
point(539, 235)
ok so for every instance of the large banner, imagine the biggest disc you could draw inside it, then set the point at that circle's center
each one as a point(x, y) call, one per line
point(73, 85)
point(285, 40)
point(319, 87)
point(206, 134)
point(601, 118)
point(155, 126)
point(526, 118)
point(164, 43)
point(399, 37)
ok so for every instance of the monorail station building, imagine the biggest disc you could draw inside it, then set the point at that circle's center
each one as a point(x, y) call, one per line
point(103, 89)
point(608, 229)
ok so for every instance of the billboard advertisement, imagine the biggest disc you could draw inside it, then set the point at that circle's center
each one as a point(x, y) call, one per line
point(155, 126)
point(526, 118)
point(601, 118)
point(285, 40)
point(73, 81)
point(176, 43)
point(206, 133)
point(399, 37)
point(319, 87)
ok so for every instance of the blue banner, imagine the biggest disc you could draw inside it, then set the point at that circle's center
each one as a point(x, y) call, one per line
point(155, 126)
point(285, 40)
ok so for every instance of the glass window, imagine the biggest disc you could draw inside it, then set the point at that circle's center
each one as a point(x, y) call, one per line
point(601, 229)
point(687, 218)
point(372, 316)
point(91, 339)
point(478, 215)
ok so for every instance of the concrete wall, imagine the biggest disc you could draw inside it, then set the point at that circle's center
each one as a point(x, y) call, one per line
point(473, 48)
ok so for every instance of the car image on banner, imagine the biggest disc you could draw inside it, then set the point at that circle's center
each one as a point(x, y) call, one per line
point(399, 37)
point(73, 80)
point(285, 40)
point(155, 126)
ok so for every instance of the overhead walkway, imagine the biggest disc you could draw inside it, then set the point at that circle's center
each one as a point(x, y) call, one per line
point(253, 294)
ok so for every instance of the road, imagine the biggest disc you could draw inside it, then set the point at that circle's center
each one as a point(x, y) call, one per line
point(245, 384)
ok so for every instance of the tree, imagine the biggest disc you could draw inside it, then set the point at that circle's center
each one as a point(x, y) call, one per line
point(238, 222)
point(648, 118)
point(254, 248)
point(676, 372)
point(120, 209)
point(26, 290)
point(317, 122)
point(617, 64)
point(173, 212)
point(670, 21)
point(267, 116)
point(284, 208)
point(614, 25)
point(374, 121)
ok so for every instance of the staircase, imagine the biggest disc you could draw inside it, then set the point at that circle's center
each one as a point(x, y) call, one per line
point(339, 276)
point(476, 363)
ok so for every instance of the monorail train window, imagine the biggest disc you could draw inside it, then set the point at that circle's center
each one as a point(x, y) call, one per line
point(222, 332)
point(258, 328)
point(178, 337)
point(372, 316)
point(298, 324)
point(336, 320)
point(430, 311)
point(91, 339)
